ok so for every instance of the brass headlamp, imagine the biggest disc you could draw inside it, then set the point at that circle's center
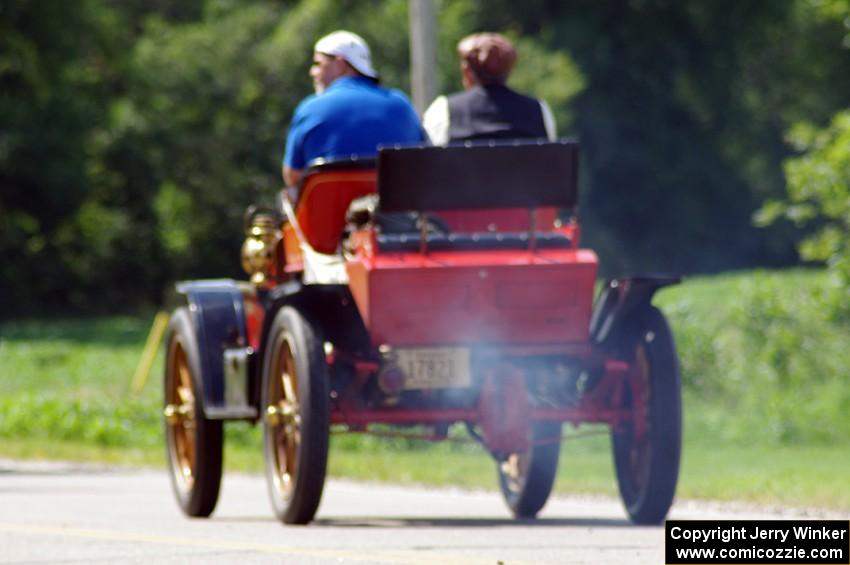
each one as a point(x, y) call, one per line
point(260, 249)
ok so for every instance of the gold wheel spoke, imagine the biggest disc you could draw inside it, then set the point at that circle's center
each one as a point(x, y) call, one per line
point(184, 393)
point(282, 416)
point(288, 389)
point(514, 469)
point(179, 414)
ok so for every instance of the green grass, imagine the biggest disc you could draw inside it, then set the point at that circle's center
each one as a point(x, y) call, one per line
point(795, 476)
point(767, 405)
point(799, 476)
point(81, 452)
point(763, 359)
point(788, 476)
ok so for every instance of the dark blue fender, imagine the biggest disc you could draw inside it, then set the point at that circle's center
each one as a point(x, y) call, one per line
point(619, 300)
point(218, 317)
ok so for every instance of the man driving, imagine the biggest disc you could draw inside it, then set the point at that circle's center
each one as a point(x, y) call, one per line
point(350, 114)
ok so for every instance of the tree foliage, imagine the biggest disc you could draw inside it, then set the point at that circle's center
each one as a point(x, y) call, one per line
point(818, 179)
point(819, 193)
point(682, 119)
point(133, 134)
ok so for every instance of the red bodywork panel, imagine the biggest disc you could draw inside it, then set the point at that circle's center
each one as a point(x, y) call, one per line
point(321, 211)
point(254, 318)
point(531, 301)
point(520, 297)
point(475, 297)
point(501, 220)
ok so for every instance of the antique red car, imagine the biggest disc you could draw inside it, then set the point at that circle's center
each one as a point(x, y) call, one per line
point(429, 287)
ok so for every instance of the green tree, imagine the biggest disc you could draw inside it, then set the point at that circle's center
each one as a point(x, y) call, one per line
point(819, 192)
point(54, 74)
point(682, 117)
point(133, 134)
point(207, 118)
point(61, 67)
point(818, 177)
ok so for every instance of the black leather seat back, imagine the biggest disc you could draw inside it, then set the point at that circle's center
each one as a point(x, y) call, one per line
point(478, 176)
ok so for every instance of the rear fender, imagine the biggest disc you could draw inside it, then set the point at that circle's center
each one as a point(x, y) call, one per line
point(619, 301)
point(217, 310)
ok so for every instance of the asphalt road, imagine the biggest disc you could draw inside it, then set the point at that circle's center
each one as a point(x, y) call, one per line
point(61, 513)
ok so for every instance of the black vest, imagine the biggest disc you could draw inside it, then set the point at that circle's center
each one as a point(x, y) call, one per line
point(494, 112)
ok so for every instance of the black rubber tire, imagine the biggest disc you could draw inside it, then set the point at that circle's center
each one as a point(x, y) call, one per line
point(194, 447)
point(291, 332)
point(648, 468)
point(527, 494)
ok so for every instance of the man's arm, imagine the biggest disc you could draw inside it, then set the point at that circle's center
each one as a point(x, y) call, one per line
point(293, 157)
point(435, 121)
point(291, 177)
point(548, 121)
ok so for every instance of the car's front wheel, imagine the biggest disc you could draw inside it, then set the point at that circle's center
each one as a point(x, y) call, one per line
point(296, 416)
point(193, 443)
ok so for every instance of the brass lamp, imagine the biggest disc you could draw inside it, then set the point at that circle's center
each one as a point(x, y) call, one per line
point(262, 235)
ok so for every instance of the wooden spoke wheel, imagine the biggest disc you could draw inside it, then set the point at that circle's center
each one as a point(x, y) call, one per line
point(647, 446)
point(296, 417)
point(526, 479)
point(193, 443)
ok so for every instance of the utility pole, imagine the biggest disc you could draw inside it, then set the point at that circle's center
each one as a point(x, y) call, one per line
point(423, 53)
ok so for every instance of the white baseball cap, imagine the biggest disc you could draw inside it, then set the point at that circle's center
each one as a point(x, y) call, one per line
point(350, 47)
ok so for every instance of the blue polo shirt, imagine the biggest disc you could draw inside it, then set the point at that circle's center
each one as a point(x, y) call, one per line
point(351, 117)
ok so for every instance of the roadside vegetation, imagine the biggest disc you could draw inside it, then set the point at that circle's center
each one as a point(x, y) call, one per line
point(767, 406)
point(129, 201)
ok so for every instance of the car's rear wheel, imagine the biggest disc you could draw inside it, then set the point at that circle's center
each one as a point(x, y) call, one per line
point(526, 478)
point(193, 443)
point(296, 416)
point(647, 446)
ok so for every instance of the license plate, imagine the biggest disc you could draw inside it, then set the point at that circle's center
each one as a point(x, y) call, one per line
point(434, 367)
